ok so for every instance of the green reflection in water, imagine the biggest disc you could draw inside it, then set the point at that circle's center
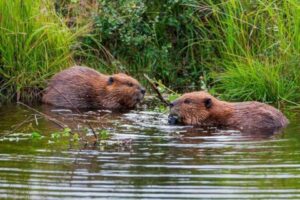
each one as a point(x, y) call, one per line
point(156, 161)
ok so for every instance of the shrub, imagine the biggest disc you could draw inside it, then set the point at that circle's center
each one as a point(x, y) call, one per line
point(228, 43)
point(243, 50)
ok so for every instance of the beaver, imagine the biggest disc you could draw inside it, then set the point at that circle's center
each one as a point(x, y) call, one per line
point(83, 87)
point(202, 109)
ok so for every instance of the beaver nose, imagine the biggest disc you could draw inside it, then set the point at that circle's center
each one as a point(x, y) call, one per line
point(143, 91)
point(173, 119)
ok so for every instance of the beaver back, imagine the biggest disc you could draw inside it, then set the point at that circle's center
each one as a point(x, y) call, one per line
point(83, 87)
point(257, 117)
point(76, 87)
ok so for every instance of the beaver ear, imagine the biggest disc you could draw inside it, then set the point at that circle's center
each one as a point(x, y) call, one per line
point(208, 103)
point(110, 80)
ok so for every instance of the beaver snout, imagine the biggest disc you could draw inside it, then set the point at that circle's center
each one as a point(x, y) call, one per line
point(173, 119)
point(140, 95)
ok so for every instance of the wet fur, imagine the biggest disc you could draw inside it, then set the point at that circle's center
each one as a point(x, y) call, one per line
point(245, 116)
point(83, 87)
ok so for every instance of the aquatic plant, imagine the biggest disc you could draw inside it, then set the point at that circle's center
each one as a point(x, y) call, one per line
point(103, 134)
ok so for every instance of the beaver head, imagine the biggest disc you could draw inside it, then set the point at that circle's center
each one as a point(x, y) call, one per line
point(123, 91)
point(197, 108)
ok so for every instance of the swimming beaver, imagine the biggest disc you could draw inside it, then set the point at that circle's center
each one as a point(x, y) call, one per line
point(83, 87)
point(200, 108)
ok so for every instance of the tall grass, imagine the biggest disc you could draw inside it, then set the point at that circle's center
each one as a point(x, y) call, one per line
point(34, 44)
point(245, 50)
point(259, 49)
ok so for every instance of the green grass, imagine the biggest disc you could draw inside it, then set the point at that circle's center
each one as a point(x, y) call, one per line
point(244, 50)
point(258, 81)
point(259, 50)
point(35, 43)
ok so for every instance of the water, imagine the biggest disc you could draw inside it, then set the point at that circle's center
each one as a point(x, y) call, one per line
point(144, 159)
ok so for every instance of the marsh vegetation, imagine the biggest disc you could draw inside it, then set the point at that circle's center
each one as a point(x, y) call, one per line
point(239, 50)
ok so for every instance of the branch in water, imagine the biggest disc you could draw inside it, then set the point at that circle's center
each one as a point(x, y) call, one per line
point(52, 119)
point(154, 87)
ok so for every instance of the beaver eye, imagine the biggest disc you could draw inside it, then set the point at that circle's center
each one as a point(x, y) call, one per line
point(187, 101)
point(130, 84)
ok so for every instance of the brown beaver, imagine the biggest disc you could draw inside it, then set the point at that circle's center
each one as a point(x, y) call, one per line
point(200, 108)
point(83, 87)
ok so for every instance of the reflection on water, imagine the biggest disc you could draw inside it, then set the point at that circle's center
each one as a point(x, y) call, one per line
point(159, 162)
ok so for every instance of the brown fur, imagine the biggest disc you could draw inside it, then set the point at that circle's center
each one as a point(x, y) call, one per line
point(83, 87)
point(200, 108)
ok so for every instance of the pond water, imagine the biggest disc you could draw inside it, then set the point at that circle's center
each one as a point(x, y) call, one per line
point(144, 158)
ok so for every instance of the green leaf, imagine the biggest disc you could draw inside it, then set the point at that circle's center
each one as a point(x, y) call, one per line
point(76, 137)
point(66, 132)
point(173, 97)
point(55, 135)
point(36, 135)
point(103, 134)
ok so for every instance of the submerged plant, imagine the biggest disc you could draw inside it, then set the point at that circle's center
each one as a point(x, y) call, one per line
point(65, 133)
point(103, 134)
point(36, 135)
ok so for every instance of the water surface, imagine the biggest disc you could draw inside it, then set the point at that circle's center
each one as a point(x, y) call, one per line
point(143, 159)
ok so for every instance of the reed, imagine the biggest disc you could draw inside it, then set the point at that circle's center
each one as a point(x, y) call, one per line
point(259, 50)
point(241, 50)
point(35, 43)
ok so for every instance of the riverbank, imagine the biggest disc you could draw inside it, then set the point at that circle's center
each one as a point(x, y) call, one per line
point(241, 50)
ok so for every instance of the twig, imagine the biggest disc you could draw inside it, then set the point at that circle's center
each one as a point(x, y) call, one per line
point(159, 95)
point(16, 127)
point(52, 119)
point(59, 123)
point(36, 120)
